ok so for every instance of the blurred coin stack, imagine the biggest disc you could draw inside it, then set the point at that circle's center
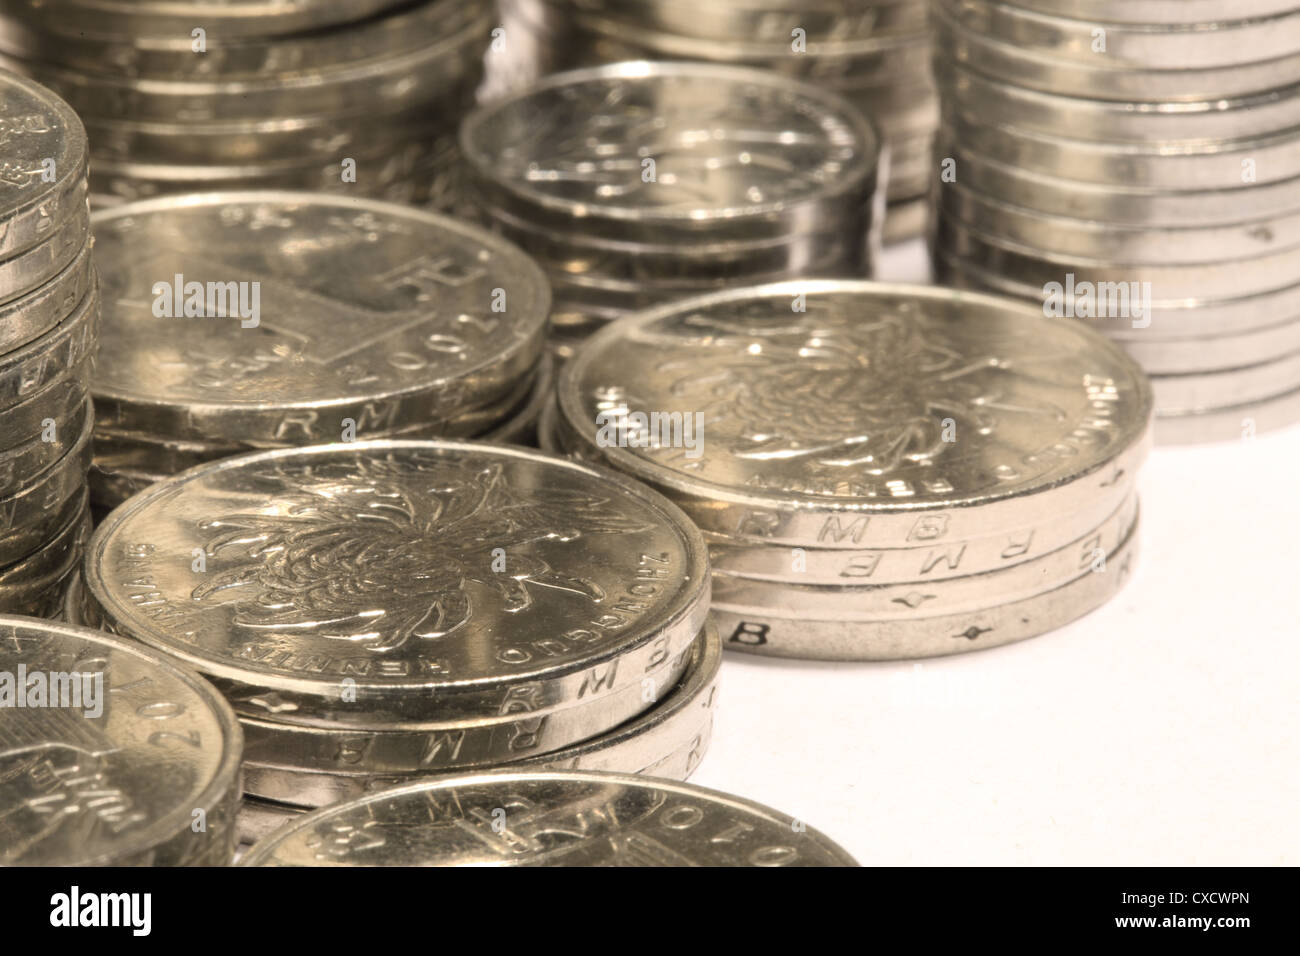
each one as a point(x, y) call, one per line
point(637, 183)
point(358, 95)
point(879, 471)
point(143, 767)
point(49, 318)
point(238, 321)
point(381, 611)
point(1135, 163)
point(876, 53)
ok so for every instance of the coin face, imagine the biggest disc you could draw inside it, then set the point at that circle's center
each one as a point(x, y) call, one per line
point(334, 309)
point(670, 142)
point(43, 146)
point(548, 819)
point(120, 777)
point(412, 583)
point(874, 401)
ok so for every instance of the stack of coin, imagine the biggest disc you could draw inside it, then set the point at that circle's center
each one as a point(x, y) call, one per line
point(49, 316)
point(187, 95)
point(1135, 163)
point(126, 760)
point(874, 52)
point(380, 611)
point(879, 471)
point(236, 321)
point(638, 183)
point(548, 819)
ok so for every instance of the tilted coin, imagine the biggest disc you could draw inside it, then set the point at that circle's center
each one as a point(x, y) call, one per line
point(667, 740)
point(763, 631)
point(45, 155)
point(371, 312)
point(122, 760)
point(402, 584)
point(856, 415)
point(644, 150)
point(551, 818)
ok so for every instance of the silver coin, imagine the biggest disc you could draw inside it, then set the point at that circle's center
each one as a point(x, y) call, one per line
point(1117, 202)
point(802, 445)
point(1100, 78)
point(27, 318)
point(124, 786)
point(1164, 319)
point(826, 637)
point(1169, 356)
point(921, 562)
point(1190, 392)
point(223, 18)
point(878, 602)
point(354, 584)
point(1228, 39)
point(551, 818)
point(31, 515)
point(1095, 238)
point(521, 427)
point(258, 819)
point(778, 154)
point(42, 444)
point(1230, 423)
point(24, 583)
point(1162, 11)
point(1267, 272)
point(1216, 164)
point(45, 155)
point(667, 740)
point(374, 312)
point(31, 367)
point(1230, 118)
point(172, 54)
point(30, 269)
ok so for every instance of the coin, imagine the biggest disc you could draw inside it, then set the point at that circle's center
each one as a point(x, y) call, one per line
point(258, 819)
point(776, 153)
point(30, 316)
point(551, 818)
point(366, 570)
point(377, 313)
point(823, 407)
point(667, 740)
point(26, 583)
point(1229, 423)
point(32, 515)
point(50, 439)
point(45, 167)
point(151, 778)
point(828, 637)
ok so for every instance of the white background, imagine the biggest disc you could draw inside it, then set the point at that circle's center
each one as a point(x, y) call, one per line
point(1159, 730)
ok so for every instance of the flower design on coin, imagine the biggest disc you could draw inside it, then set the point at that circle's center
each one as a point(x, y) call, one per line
point(377, 553)
point(834, 391)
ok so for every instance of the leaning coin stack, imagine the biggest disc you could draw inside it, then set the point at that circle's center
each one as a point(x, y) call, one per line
point(879, 471)
point(874, 52)
point(1135, 163)
point(49, 316)
point(637, 184)
point(126, 760)
point(380, 611)
point(238, 321)
point(190, 95)
point(549, 819)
